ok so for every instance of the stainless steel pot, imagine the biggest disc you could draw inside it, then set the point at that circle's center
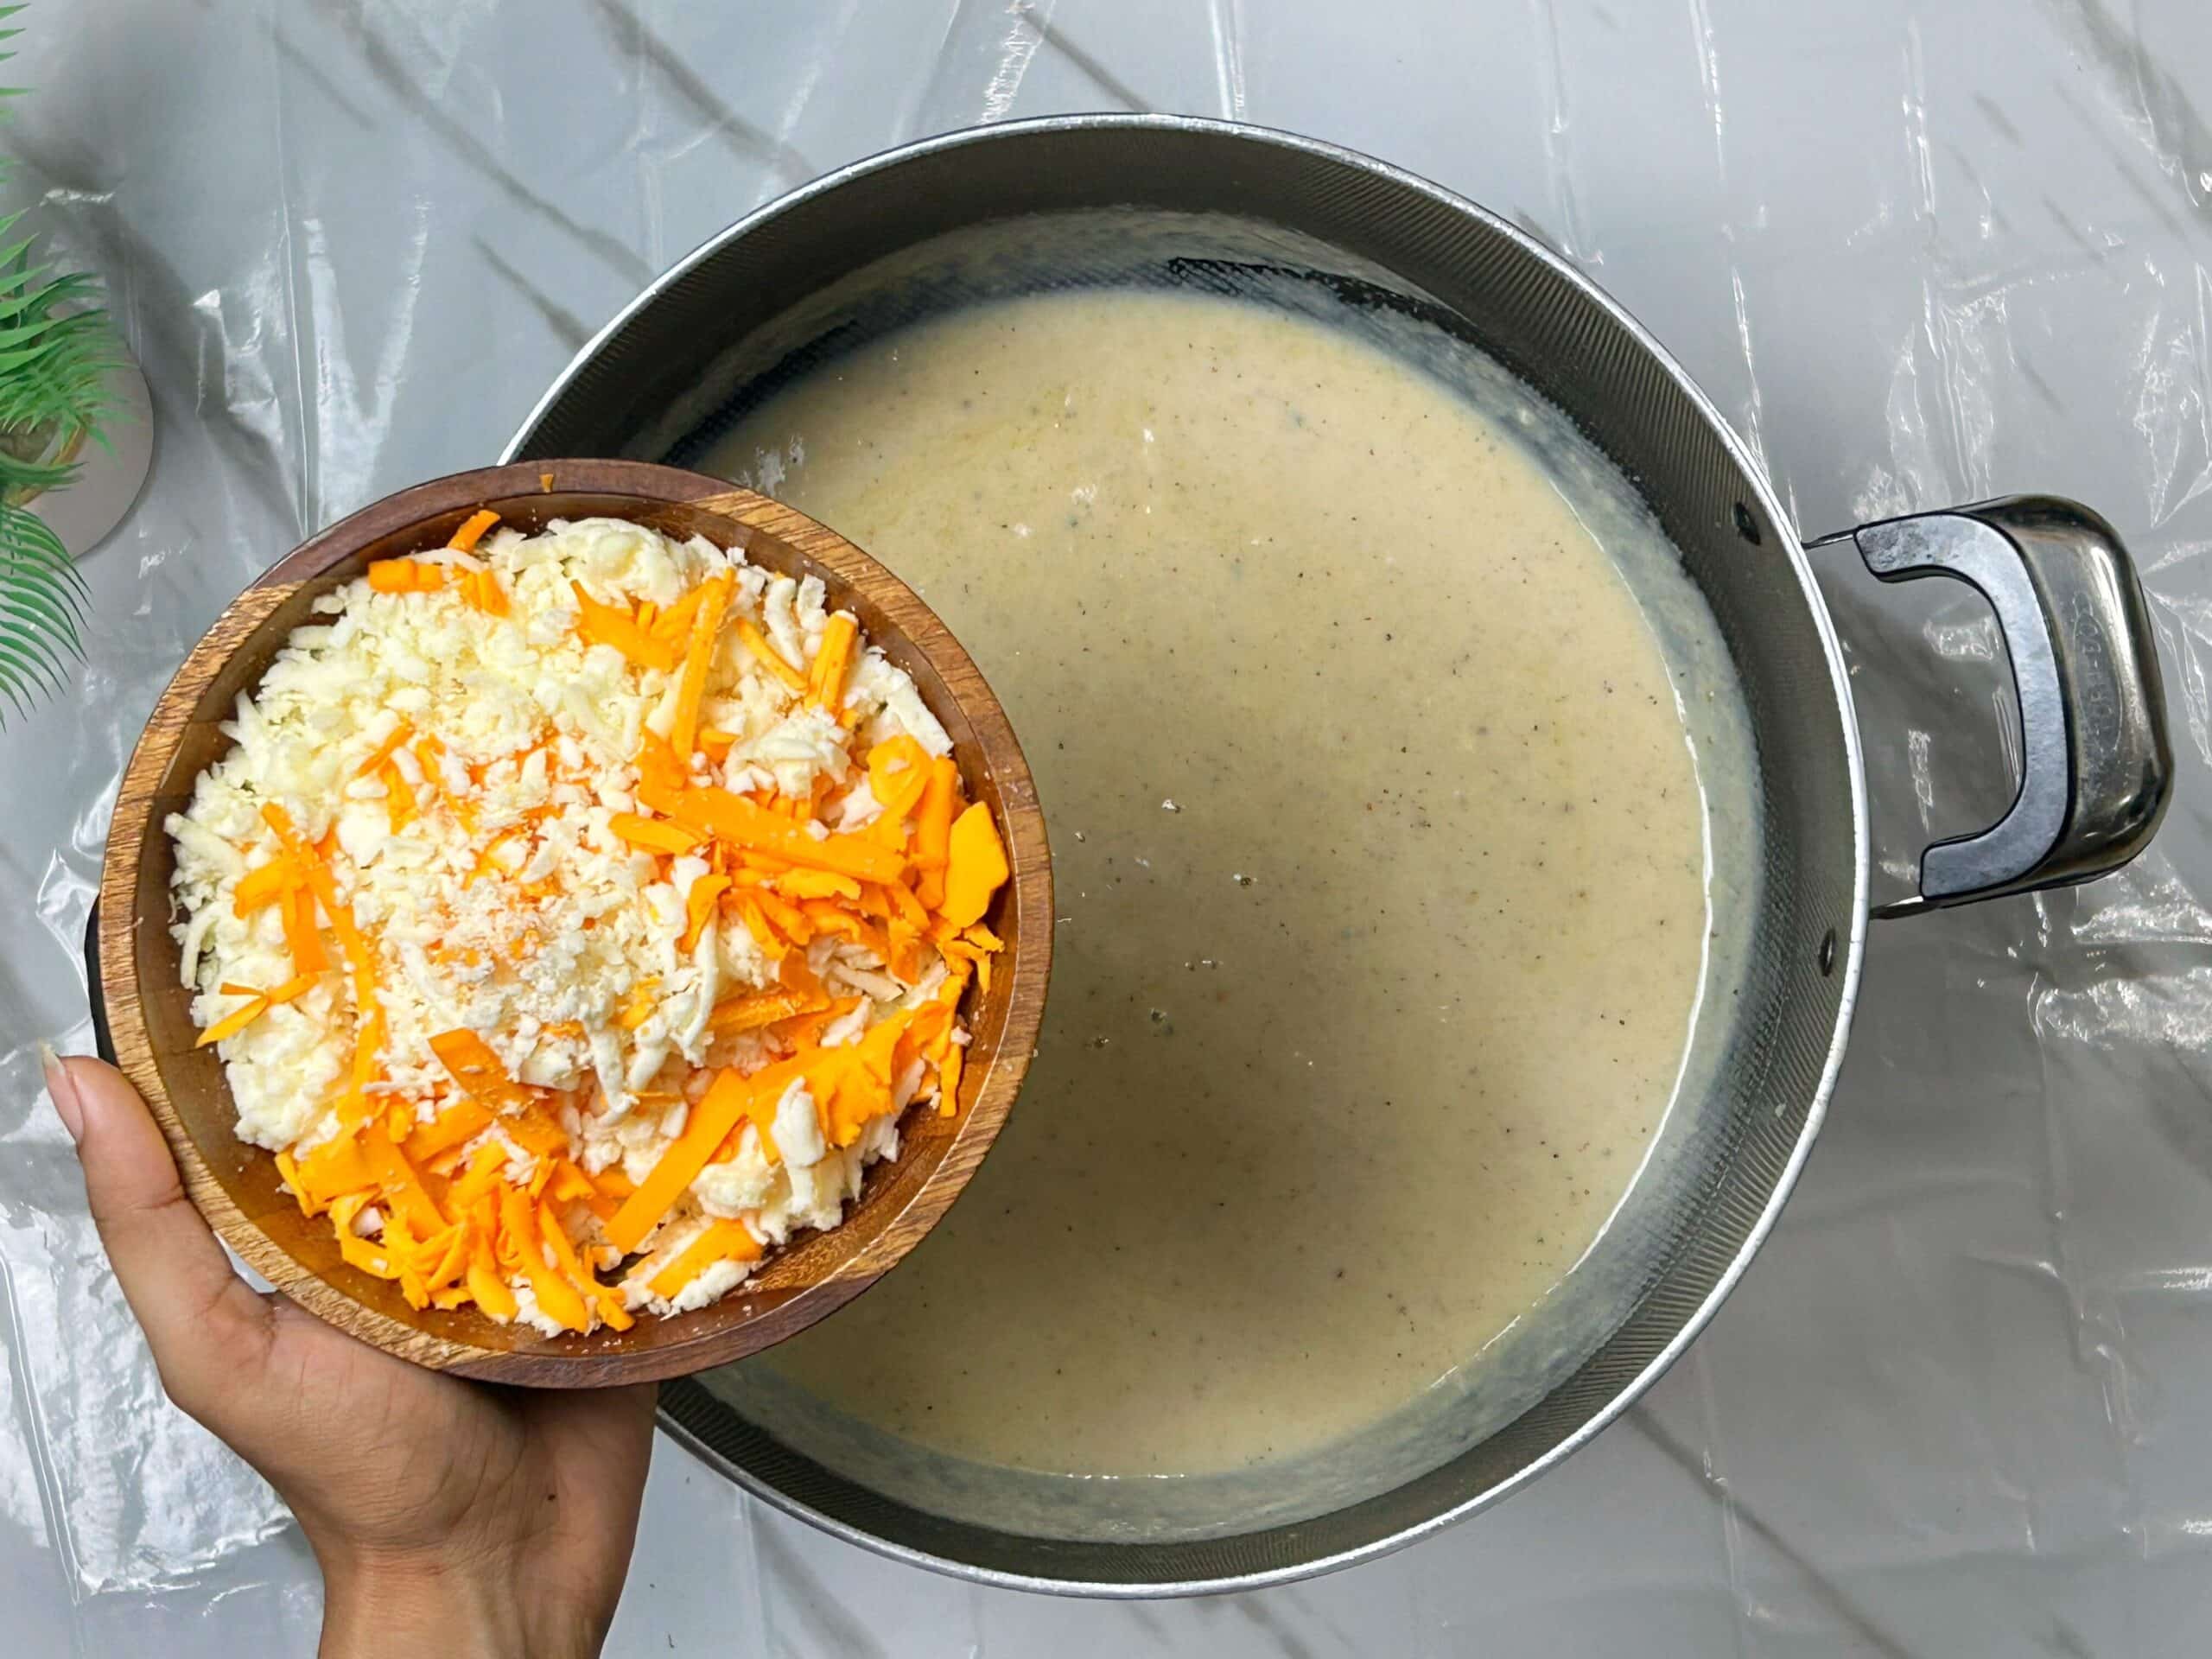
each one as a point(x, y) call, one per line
point(843, 259)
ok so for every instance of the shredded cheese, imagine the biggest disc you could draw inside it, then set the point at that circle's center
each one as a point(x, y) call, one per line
point(654, 893)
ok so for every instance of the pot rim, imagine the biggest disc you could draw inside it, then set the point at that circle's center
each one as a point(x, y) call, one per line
point(1769, 504)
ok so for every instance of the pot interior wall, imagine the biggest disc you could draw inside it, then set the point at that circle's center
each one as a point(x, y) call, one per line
point(1057, 206)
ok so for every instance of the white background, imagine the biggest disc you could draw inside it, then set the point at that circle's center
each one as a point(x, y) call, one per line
point(1919, 254)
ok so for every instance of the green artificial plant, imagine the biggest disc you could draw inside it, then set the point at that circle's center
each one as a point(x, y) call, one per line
point(57, 350)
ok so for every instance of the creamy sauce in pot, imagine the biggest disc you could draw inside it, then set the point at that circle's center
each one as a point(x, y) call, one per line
point(1382, 873)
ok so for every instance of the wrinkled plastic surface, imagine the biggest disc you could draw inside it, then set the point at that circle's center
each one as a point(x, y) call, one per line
point(1918, 253)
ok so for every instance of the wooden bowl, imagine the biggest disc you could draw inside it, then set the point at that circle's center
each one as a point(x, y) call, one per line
point(148, 1009)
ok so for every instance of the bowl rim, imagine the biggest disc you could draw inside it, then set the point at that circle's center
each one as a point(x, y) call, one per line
point(737, 1331)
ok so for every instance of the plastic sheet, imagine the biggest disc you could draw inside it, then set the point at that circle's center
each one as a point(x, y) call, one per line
point(1919, 253)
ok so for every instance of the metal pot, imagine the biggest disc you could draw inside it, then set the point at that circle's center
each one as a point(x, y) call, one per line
point(842, 259)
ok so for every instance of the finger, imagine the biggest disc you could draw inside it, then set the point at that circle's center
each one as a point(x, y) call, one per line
point(202, 1321)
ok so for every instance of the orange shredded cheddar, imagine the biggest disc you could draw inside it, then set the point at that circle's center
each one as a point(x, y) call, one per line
point(905, 907)
point(755, 1009)
point(734, 819)
point(263, 886)
point(235, 1021)
point(564, 1249)
point(977, 867)
point(400, 734)
point(861, 1089)
point(571, 1184)
point(928, 1031)
point(443, 1163)
point(829, 919)
point(301, 936)
point(534, 1132)
point(489, 862)
point(608, 624)
point(658, 766)
point(472, 529)
point(654, 835)
point(825, 681)
point(757, 925)
point(359, 957)
point(749, 634)
point(816, 884)
point(461, 1122)
point(698, 657)
point(891, 832)
point(366, 1256)
point(487, 1287)
point(956, 982)
point(699, 905)
point(613, 1183)
point(791, 921)
point(614, 1310)
point(716, 745)
point(640, 1006)
point(522, 1235)
point(714, 1115)
point(723, 1240)
point(290, 1172)
point(478, 1070)
point(401, 1186)
point(442, 1259)
point(486, 1171)
point(933, 831)
point(903, 954)
point(293, 989)
point(413, 575)
point(370, 1258)
point(401, 796)
point(898, 774)
point(673, 626)
point(947, 1074)
point(485, 594)
point(335, 1169)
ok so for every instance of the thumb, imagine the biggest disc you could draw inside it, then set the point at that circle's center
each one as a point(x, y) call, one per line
point(202, 1321)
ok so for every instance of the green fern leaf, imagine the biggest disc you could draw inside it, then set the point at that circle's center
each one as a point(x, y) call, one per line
point(43, 602)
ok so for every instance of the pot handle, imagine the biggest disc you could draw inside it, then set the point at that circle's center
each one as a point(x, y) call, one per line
point(2095, 764)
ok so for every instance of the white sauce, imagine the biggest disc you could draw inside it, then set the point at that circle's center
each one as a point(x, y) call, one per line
point(1380, 867)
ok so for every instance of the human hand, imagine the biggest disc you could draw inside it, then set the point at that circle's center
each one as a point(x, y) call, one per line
point(449, 1517)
